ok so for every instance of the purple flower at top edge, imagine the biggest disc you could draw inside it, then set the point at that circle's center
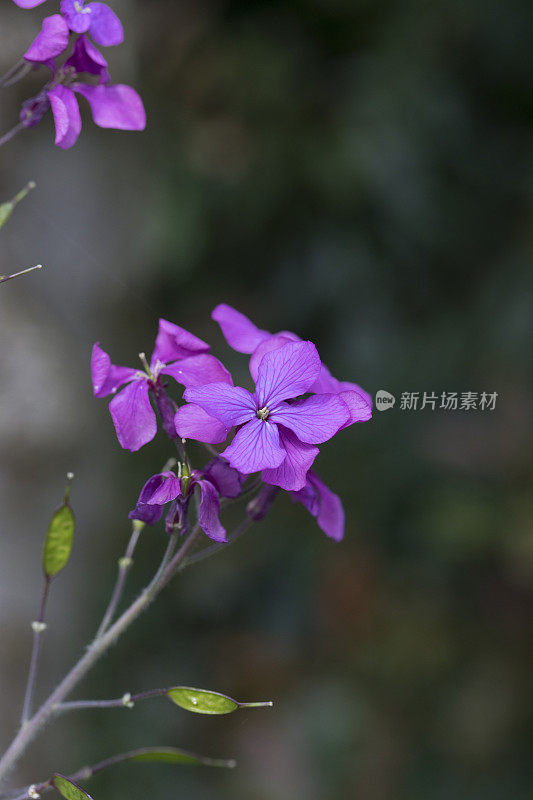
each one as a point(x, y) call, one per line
point(245, 337)
point(274, 436)
point(217, 479)
point(317, 498)
point(177, 353)
point(28, 3)
point(98, 19)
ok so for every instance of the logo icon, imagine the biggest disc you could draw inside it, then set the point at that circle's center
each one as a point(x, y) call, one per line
point(384, 400)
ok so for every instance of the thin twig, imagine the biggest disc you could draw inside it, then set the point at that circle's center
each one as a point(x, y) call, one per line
point(10, 134)
point(39, 627)
point(126, 701)
point(4, 278)
point(124, 565)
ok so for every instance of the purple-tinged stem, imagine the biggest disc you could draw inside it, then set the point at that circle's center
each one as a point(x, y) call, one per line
point(93, 654)
point(4, 278)
point(10, 134)
point(39, 628)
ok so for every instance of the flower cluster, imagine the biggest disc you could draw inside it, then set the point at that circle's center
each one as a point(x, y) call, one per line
point(296, 405)
point(69, 37)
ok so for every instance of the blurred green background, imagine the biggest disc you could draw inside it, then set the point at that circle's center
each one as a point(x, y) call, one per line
point(361, 173)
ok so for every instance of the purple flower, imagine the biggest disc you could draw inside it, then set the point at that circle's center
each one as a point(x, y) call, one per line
point(96, 18)
point(217, 479)
point(274, 436)
point(245, 337)
point(113, 106)
point(177, 353)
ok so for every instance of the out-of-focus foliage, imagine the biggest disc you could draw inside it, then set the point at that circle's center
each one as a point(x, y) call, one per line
point(359, 172)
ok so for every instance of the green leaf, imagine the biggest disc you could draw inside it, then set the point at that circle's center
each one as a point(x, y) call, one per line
point(203, 702)
point(69, 790)
point(171, 755)
point(58, 543)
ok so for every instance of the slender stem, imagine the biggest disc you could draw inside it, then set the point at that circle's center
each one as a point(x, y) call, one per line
point(126, 701)
point(124, 565)
point(39, 628)
point(10, 134)
point(4, 278)
point(6, 79)
point(214, 548)
point(92, 654)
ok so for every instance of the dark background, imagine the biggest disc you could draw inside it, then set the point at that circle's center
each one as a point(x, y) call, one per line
point(361, 173)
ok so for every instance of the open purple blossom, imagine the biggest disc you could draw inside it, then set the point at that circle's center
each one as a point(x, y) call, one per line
point(98, 19)
point(318, 499)
point(178, 354)
point(245, 337)
point(218, 479)
point(278, 430)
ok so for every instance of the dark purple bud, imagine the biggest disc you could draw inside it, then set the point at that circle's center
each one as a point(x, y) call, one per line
point(260, 505)
point(226, 480)
point(33, 110)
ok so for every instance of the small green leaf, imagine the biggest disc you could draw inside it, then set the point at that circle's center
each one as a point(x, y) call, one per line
point(58, 543)
point(171, 755)
point(203, 702)
point(69, 790)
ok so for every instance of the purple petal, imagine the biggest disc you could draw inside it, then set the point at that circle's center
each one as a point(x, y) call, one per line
point(198, 370)
point(192, 422)
point(66, 116)
point(105, 28)
point(107, 377)
point(259, 507)
point(327, 509)
point(160, 489)
point(173, 342)
point(239, 332)
point(115, 106)
point(287, 372)
point(226, 480)
point(51, 41)
point(144, 512)
point(209, 511)
point(315, 419)
point(230, 404)
point(272, 343)
point(359, 407)
point(86, 58)
point(28, 3)
point(77, 15)
point(134, 417)
point(291, 474)
point(256, 446)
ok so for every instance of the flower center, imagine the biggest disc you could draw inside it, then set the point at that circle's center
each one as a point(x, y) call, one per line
point(79, 8)
point(263, 413)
